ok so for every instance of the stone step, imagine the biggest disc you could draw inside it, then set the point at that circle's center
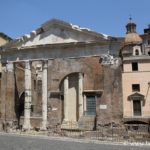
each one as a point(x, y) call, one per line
point(86, 123)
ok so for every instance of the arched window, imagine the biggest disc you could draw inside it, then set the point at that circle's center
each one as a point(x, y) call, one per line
point(136, 52)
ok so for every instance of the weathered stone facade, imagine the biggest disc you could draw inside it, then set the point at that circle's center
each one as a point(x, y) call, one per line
point(62, 75)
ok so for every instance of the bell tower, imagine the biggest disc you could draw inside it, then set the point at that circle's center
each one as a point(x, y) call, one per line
point(131, 26)
point(135, 75)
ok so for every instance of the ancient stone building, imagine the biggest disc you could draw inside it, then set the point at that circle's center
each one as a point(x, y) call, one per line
point(67, 76)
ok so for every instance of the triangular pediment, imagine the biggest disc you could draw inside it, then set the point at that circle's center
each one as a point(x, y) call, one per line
point(57, 31)
point(136, 96)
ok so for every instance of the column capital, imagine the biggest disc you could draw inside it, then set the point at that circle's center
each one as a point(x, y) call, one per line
point(80, 75)
point(66, 78)
point(45, 63)
point(28, 64)
point(10, 66)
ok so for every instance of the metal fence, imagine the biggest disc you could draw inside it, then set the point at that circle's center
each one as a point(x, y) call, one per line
point(88, 130)
point(130, 133)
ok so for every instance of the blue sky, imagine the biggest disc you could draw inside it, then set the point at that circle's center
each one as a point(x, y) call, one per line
point(19, 17)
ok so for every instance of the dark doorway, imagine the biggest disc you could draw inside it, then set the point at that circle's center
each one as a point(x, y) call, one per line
point(137, 107)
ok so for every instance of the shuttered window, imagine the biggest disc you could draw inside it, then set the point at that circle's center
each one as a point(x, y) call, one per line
point(90, 105)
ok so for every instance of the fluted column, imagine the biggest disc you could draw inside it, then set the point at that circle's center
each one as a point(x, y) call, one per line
point(66, 84)
point(80, 94)
point(28, 96)
point(44, 96)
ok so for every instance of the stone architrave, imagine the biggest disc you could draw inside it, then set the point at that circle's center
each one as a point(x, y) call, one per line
point(28, 96)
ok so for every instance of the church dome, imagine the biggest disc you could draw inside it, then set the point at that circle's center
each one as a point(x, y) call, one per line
point(131, 36)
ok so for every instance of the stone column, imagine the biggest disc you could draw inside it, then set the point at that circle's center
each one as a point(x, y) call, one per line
point(10, 94)
point(84, 101)
point(66, 84)
point(80, 94)
point(44, 96)
point(28, 96)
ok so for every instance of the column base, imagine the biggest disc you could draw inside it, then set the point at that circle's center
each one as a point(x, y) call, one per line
point(43, 126)
point(26, 125)
point(69, 125)
point(26, 128)
point(43, 129)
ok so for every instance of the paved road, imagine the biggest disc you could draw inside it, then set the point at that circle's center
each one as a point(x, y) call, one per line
point(15, 142)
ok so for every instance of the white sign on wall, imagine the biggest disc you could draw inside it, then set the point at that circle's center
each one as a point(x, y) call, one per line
point(103, 106)
point(53, 109)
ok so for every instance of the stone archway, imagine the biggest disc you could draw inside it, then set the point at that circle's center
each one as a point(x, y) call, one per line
point(21, 104)
point(72, 86)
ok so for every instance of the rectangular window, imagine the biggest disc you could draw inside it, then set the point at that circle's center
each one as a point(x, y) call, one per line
point(90, 105)
point(135, 88)
point(134, 66)
point(137, 108)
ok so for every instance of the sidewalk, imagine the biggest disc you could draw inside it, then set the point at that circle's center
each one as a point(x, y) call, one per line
point(69, 139)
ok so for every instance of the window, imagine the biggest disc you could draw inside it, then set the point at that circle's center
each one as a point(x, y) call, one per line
point(136, 52)
point(135, 88)
point(134, 66)
point(149, 53)
point(137, 108)
point(90, 105)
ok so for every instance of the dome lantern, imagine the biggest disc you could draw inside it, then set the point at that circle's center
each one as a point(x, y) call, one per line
point(131, 36)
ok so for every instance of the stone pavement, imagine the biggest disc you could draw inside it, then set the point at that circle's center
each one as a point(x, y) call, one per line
point(27, 142)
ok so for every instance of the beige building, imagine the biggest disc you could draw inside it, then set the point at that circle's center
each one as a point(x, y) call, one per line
point(4, 39)
point(136, 76)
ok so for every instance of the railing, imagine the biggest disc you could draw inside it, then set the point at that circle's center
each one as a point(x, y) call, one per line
point(130, 133)
point(109, 132)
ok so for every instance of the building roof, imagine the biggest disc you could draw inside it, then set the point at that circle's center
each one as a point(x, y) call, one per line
point(132, 38)
point(55, 32)
point(4, 36)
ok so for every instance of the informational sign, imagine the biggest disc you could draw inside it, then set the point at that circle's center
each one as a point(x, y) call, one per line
point(103, 106)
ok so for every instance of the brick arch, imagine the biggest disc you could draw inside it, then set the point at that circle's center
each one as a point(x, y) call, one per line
point(70, 74)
